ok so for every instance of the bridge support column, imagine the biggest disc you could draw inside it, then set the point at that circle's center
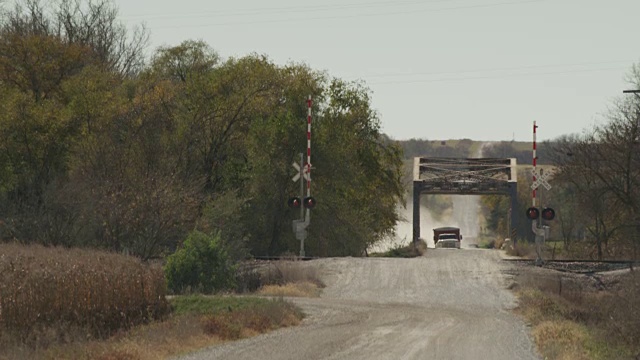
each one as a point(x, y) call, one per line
point(417, 189)
point(513, 197)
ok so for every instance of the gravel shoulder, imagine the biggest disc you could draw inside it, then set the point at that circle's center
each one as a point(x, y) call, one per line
point(449, 304)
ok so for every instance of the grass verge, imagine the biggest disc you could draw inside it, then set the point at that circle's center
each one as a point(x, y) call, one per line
point(573, 319)
point(196, 322)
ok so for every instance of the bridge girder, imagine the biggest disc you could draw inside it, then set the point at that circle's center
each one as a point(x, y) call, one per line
point(463, 176)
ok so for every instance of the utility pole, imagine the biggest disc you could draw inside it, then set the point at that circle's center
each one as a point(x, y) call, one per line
point(637, 94)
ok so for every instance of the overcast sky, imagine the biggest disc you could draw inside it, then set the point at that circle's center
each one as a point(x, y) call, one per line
point(438, 69)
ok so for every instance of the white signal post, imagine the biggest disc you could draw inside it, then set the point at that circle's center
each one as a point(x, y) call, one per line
point(307, 221)
point(535, 158)
point(308, 168)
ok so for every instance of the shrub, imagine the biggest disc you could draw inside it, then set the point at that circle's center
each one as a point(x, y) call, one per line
point(201, 265)
point(409, 251)
point(522, 249)
point(285, 272)
point(487, 244)
point(248, 277)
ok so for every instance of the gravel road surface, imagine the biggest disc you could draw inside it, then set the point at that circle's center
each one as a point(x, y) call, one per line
point(449, 304)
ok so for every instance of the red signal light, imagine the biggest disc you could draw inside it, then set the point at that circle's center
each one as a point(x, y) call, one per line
point(294, 202)
point(309, 202)
point(548, 214)
point(533, 213)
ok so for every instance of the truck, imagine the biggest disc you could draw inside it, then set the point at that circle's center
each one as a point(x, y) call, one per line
point(447, 237)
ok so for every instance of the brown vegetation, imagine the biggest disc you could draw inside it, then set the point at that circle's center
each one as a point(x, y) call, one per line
point(48, 293)
point(197, 322)
point(410, 251)
point(298, 289)
point(582, 317)
point(234, 325)
point(522, 249)
point(285, 272)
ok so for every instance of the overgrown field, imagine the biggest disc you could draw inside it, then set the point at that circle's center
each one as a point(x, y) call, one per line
point(45, 292)
point(196, 322)
point(85, 304)
point(582, 317)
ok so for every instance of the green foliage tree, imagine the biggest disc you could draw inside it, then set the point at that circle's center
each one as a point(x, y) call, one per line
point(361, 181)
point(202, 264)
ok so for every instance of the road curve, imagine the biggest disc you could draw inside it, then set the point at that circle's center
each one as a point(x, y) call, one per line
point(449, 304)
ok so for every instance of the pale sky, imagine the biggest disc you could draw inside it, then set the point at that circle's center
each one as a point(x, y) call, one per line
point(438, 69)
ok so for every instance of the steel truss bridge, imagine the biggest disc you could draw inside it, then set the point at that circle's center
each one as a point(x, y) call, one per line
point(472, 176)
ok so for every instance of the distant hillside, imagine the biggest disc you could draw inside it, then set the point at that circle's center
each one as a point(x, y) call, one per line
point(521, 150)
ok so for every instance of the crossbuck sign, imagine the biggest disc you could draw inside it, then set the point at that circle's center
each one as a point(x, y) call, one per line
point(296, 177)
point(541, 179)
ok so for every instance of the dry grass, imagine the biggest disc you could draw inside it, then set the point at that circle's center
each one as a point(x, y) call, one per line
point(198, 322)
point(49, 295)
point(82, 304)
point(158, 340)
point(408, 251)
point(561, 340)
point(297, 289)
point(234, 325)
point(577, 317)
point(290, 278)
point(523, 249)
point(287, 272)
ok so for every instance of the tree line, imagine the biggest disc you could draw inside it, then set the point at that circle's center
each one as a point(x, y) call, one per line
point(106, 148)
point(599, 178)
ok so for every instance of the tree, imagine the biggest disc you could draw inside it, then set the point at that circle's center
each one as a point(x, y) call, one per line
point(100, 150)
point(47, 53)
point(599, 165)
point(359, 177)
point(130, 175)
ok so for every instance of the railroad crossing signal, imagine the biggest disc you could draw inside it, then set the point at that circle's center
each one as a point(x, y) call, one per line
point(547, 213)
point(296, 177)
point(541, 179)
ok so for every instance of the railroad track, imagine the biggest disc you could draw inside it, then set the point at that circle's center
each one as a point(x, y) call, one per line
point(581, 266)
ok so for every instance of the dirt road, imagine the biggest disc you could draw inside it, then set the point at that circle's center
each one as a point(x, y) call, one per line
point(449, 304)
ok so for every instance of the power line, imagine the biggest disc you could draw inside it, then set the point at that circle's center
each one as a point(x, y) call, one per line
point(336, 17)
point(516, 68)
point(493, 77)
point(290, 9)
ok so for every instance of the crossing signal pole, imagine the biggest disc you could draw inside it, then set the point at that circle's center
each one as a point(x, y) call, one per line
point(304, 174)
point(533, 213)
